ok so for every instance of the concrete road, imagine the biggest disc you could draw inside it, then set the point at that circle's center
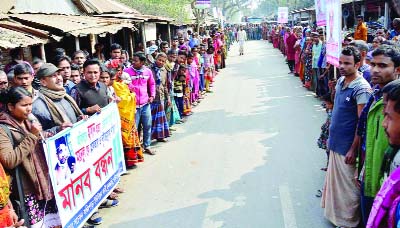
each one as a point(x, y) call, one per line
point(246, 158)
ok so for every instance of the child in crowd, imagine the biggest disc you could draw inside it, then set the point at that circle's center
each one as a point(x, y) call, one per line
point(193, 76)
point(209, 67)
point(107, 77)
point(179, 85)
point(323, 138)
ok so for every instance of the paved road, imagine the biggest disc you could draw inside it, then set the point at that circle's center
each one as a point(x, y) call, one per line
point(246, 158)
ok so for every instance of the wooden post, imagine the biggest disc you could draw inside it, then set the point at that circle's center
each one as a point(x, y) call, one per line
point(110, 38)
point(77, 46)
point(92, 39)
point(130, 43)
point(42, 53)
point(169, 33)
point(143, 37)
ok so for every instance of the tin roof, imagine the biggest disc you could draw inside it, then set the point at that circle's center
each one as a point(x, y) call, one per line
point(75, 25)
point(14, 34)
point(66, 7)
point(12, 39)
point(104, 6)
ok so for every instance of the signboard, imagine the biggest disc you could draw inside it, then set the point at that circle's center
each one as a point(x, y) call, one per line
point(333, 31)
point(283, 15)
point(203, 4)
point(85, 163)
point(320, 12)
point(150, 31)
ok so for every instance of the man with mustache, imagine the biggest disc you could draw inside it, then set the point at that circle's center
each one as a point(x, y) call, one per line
point(340, 198)
point(385, 66)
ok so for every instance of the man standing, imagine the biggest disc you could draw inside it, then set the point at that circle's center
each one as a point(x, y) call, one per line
point(3, 80)
point(361, 30)
point(90, 94)
point(63, 63)
point(242, 37)
point(340, 197)
point(362, 46)
point(396, 28)
point(79, 58)
point(23, 76)
point(144, 87)
point(384, 67)
point(54, 108)
point(115, 53)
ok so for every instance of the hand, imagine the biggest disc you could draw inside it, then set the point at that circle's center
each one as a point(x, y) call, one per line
point(65, 125)
point(151, 99)
point(117, 99)
point(169, 103)
point(83, 117)
point(36, 129)
point(14, 217)
point(350, 157)
point(93, 109)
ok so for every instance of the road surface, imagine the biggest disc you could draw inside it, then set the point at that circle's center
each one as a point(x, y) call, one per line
point(246, 158)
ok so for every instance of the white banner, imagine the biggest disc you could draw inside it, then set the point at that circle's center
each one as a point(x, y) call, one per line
point(150, 31)
point(333, 31)
point(283, 15)
point(85, 163)
point(320, 12)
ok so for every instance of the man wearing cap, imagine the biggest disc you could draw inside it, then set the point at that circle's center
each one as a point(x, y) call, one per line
point(316, 53)
point(241, 36)
point(54, 108)
point(152, 52)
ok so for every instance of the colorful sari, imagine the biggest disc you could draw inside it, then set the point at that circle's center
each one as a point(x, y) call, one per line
point(5, 218)
point(130, 139)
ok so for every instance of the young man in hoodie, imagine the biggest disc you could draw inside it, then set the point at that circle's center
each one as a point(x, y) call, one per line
point(143, 85)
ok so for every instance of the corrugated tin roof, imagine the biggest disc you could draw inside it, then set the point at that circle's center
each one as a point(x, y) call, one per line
point(66, 7)
point(131, 16)
point(6, 5)
point(12, 39)
point(76, 25)
point(104, 6)
point(18, 27)
point(138, 17)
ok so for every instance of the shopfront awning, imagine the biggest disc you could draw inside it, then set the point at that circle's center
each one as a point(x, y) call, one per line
point(74, 25)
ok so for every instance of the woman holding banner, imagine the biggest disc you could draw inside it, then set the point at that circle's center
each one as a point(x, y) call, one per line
point(21, 153)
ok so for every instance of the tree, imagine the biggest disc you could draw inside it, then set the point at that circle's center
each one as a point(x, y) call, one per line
point(171, 9)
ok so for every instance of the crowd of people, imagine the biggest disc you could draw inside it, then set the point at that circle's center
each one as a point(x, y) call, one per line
point(154, 91)
point(361, 136)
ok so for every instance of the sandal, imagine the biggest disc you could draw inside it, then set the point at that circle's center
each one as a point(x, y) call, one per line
point(319, 193)
point(118, 190)
point(109, 203)
point(113, 196)
point(95, 219)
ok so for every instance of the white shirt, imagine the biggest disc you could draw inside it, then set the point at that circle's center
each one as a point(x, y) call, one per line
point(242, 36)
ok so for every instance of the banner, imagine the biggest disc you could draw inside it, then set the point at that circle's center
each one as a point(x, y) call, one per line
point(283, 15)
point(320, 12)
point(333, 31)
point(85, 163)
point(203, 4)
point(150, 31)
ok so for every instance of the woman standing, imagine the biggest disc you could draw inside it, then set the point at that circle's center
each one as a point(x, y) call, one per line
point(23, 150)
point(160, 128)
point(308, 63)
